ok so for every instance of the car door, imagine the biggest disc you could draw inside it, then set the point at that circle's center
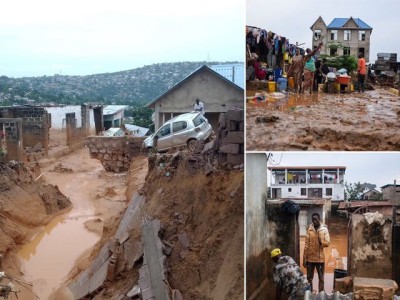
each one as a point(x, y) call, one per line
point(163, 138)
point(181, 132)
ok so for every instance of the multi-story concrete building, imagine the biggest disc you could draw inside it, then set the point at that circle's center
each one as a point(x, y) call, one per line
point(352, 35)
point(313, 182)
point(391, 193)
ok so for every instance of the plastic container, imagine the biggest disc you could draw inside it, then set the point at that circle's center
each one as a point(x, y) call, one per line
point(282, 84)
point(285, 56)
point(271, 86)
point(337, 86)
point(277, 74)
point(321, 88)
point(291, 82)
point(338, 273)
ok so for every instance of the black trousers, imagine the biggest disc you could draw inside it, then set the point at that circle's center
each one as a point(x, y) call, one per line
point(361, 85)
point(310, 274)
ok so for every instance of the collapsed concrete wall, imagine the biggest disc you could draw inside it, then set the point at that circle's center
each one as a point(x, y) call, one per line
point(115, 153)
point(370, 246)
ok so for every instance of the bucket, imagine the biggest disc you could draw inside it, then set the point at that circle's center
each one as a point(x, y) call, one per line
point(351, 87)
point(282, 84)
point(321, 88)
point(271, 86)
point(291, 82)
point(338, 273)
point(337, 86)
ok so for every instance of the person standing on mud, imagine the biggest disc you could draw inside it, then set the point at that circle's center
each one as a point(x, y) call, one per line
point(296, 70)
point(309, 68)
point(317, 239)
point(361, 72)
point(288, 277)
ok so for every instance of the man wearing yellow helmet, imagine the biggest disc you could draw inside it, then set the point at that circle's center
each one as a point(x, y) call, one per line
point(288, 277)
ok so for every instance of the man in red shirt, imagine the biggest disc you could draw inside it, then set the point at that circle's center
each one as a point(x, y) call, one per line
point(361, 72)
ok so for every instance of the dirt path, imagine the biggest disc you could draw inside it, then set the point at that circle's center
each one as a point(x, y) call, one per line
point(354, 122)
point(63, 246)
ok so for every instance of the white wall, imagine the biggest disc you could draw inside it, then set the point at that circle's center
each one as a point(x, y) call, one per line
point(337, 190)
point(58, 116)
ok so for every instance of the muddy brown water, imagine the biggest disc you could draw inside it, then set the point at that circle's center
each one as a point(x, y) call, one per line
point(52, 254)
point(335, 254)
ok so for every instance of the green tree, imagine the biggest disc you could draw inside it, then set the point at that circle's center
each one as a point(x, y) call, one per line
point(348, 62)
point(142, 116)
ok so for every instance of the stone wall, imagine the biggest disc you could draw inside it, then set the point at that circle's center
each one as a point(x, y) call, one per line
point(115, 153)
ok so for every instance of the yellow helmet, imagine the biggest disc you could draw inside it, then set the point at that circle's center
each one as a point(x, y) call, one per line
point(275, 252)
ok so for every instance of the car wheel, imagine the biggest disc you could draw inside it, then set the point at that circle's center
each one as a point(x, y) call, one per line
point(191, 144)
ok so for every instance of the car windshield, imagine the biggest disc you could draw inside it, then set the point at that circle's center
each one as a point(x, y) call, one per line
point(198, 120)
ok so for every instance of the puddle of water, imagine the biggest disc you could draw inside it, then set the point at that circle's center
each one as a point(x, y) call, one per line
point(289, 102)
point(49, 257)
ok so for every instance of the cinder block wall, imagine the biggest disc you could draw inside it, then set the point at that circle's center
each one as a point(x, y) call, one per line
point(35, 124)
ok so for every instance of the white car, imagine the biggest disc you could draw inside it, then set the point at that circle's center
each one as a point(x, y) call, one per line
point(184, 129)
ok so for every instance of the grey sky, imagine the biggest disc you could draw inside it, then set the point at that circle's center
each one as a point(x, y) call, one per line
point(45, 37)
point(293, 19)
point(378, 168)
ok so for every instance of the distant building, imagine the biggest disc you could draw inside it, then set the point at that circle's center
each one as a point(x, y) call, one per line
point(371, 195)
point(391, 193)
point(216, 92)
point(113, 115)
point(308, 182)
point(353, 34)
point(232, 72)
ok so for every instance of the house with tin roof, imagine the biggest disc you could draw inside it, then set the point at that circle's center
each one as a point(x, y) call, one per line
point(352, 34)
point(216, 92)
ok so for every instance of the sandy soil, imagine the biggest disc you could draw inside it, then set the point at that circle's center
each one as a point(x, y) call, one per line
point(352, 122)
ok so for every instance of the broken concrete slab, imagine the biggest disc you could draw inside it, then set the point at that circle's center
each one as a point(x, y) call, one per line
point(373, 288)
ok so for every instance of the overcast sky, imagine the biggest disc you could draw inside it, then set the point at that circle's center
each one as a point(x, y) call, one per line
point(378, 168)
point(46, 37)
point(293, 19)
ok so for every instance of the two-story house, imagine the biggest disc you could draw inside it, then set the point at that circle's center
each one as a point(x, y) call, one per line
point(351, 34)
point(308, 182)
point(314, 188)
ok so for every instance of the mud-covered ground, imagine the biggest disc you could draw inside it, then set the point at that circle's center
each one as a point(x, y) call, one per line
point(351, 122)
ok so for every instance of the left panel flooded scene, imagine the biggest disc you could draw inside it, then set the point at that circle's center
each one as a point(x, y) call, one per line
point(122, 167)
point(334, 212)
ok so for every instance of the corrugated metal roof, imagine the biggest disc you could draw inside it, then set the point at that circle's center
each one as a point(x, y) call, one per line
point(307, 201)
point(354, 204)
point(339, 22)
point(137, 130)
point(113, 109)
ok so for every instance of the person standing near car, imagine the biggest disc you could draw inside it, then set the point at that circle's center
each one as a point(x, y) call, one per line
point(317, 239)
point(199, 106)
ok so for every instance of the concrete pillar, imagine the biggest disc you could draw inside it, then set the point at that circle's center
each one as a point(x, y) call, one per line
point(256, 225)
point(71, 126)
